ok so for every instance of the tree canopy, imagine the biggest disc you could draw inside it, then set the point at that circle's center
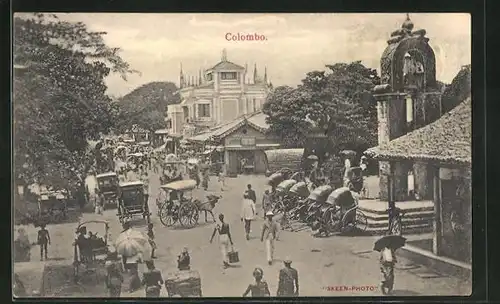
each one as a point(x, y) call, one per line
point(459, 89)
point(337, 103)
point(59, 101)
point(146, 106)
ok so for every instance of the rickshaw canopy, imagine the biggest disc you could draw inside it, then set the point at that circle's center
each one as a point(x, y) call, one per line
point(182, 185)
point(275, 179)
point(321, 193)
point(108, 174)
point(341, 197)
point(300, 189)
point(133, 184)
point(285, 186)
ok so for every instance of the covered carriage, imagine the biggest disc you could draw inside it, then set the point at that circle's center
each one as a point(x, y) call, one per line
point(52, 207)
point(132, 201)
point(177, 205)
point(90, 250)
point(107, 184)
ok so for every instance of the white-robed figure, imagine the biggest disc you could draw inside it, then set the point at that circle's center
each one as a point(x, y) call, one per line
point(269, 233)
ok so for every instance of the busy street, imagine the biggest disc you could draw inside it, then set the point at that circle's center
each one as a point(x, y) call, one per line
point(173, 169)
point(316, 259)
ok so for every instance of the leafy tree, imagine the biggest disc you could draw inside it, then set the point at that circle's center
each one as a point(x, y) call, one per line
point(59, 101)
point(146, 106)
point(458, 90)
point(337, 102)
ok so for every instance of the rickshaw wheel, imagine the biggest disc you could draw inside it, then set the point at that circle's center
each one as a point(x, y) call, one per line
point(187, 216)
point(361, 221)
point(330, 220)
point(166, 218)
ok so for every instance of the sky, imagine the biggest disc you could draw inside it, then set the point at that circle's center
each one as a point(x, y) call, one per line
point(157, 44)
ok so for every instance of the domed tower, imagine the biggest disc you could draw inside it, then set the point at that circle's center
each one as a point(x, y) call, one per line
point(408, 96)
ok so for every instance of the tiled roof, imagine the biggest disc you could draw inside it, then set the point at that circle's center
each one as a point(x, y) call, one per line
point(227, 65)
point(448, 139)
point(256, 120)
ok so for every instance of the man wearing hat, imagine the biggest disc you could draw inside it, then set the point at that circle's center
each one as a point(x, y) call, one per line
point(269, 231)
point(288, 284)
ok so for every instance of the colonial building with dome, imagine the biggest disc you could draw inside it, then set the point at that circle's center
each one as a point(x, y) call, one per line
point(216, 96)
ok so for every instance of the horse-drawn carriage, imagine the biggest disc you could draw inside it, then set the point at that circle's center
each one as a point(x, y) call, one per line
point(132, 201)
point(89, 250)
point(107, 184)
point(52, 207)
point(174, 206)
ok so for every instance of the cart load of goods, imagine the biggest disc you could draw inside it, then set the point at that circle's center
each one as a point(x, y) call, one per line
point(186, 283)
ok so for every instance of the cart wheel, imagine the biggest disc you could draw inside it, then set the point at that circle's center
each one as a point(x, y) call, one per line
point(186, 214)
point(361, 221)
point(166, 217)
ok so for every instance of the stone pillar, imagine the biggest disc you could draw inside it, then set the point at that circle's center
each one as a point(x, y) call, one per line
point(420, 171)
point(437, 222)
point(384, 172)
point(400, 177)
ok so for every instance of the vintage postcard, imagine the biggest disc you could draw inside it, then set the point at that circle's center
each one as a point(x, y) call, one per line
point(241, 155)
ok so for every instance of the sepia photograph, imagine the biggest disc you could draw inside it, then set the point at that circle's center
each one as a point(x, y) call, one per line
point(160, 155)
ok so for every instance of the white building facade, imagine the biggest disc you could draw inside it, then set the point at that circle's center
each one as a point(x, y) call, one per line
point(217, 96)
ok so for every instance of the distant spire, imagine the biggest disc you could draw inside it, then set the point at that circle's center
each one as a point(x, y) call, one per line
point(192, 81)
point(246, 67)
point(224, 55)
point(181, 78)
point(199, 77)
point(265, 75)
point(188, 81)
point(255, 73)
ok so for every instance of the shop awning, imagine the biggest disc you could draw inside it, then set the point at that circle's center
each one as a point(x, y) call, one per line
point(161, 132)
point(269, 145)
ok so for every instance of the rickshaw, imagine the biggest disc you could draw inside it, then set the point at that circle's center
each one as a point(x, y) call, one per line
point(132, 201)
point(107, 184)
point(342, 214)
point(175, 207)
point(52, 207)
point(318, 198)
point(89, 251)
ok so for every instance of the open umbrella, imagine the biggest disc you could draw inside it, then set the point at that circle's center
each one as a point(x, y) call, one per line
point(389, 241)
point(312, 157)
point(348, 153)
point(131, 243)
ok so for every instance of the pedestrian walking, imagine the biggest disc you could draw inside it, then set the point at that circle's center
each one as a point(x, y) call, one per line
point(251, 193)
point(247, 213)
point(387, 262)
point(266, 203)
point(99, 203)
point(288, 282)
point(269, 232)
point(43, 241)
point(259, 288)
point(206, 178)
point(151, 237)
point(222, 177)
point(114, 276)
point(152, 280)
point(224, 239)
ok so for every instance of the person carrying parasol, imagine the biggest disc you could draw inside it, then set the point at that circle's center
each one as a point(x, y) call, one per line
point(387, 247)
